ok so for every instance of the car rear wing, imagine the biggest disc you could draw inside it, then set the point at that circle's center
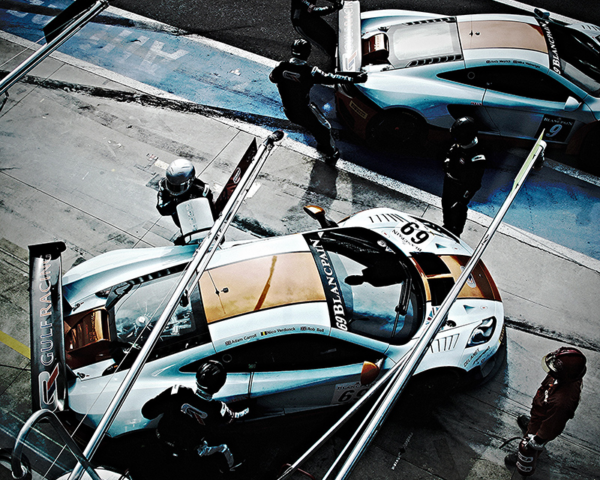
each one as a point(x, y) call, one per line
point(349, 38)
point(48, 366)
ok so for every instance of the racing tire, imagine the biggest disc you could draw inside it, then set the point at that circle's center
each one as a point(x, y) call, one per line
point(398, 129)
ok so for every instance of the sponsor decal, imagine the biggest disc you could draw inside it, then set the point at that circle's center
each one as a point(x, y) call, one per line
point(473, 355)
point(470, 280)
point(349, 48)
point(48, 364)
point(431, 314)
point(359, 111)
point(194, 412)
point(552, 50)
point(333, 292)
point(556, 129)
point(348, 392)
point(477, 357)
point(48, 383)
point(236, 176)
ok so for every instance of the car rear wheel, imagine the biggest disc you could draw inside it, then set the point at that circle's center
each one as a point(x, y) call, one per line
point(588, 155)
point(395, 129)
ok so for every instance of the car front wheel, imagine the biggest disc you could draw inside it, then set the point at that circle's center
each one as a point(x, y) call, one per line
point(395, 129)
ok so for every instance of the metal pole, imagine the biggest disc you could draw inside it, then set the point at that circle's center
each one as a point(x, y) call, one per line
point(47, 49)
point(195, 269)
point(38, 416)
point(388, 377)
point(438, 321)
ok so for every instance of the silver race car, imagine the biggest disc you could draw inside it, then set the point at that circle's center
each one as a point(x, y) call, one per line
point(301, 322)
point(515, 74)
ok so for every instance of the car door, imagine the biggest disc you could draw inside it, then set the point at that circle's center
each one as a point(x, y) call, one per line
point(522, 101)
point(301, 371)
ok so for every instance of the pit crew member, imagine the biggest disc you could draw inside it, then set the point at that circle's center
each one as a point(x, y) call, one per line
point(180, 185)
point(464, 166)
point(295, 78)
point(190, 418)
point(553, 406)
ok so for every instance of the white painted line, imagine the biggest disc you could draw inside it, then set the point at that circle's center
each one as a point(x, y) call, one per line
point(529, 8)
point(573, 172)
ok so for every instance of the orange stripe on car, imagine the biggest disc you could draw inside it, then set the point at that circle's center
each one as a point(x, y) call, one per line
point(502, 34)
point(260, 283)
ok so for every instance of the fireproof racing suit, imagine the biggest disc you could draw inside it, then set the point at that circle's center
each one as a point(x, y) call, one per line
point(294, 81)
point(166, 203)
point(464, 166)
point(189, 421)
point(307, 21)
point(553, 406)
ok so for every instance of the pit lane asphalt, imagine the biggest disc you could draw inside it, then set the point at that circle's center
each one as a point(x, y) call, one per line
point(559, 204)
point(80, 167)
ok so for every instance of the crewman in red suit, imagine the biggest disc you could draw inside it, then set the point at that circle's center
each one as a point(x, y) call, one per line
point(553, 406)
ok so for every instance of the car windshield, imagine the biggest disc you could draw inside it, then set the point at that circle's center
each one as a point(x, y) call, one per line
point(378, 286)
point(135, 307)
point(579, 57)
point(419, 41)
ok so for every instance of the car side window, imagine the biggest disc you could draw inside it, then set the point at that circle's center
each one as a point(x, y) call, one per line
point(513, 80)
point(291, 352)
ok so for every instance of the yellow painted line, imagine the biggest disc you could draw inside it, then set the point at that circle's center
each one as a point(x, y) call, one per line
point(15, 345)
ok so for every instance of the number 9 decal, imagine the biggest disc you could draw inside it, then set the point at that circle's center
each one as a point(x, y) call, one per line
point(554, 130)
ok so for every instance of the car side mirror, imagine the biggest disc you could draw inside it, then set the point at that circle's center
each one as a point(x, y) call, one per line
point(318, 214)
point(571, 104)
point(369, 373)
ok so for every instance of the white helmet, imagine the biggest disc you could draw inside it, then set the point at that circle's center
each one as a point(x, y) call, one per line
point(180, 176)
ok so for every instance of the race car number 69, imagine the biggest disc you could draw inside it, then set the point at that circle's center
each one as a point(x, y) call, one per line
point(348, 392)
point(419, 237)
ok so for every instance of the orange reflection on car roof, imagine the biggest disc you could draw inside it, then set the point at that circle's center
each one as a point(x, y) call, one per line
point(260, 283)
point(501, 34)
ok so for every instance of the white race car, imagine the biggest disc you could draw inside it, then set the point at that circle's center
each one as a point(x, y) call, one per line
point(515, 74)
point(300, 322)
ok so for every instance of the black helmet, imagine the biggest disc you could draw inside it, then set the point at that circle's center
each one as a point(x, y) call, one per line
point(210, 377)
point(566, 363)
point(301, 49)
point(180, 176)
point(463, 130)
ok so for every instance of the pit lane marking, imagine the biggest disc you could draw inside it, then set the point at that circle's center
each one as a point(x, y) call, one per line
point(15, 345)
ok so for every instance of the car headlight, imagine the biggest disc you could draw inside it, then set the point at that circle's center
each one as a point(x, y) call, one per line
point(483, 332)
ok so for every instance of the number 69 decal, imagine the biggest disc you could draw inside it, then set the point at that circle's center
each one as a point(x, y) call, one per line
point(413, 233)
point(348, 392)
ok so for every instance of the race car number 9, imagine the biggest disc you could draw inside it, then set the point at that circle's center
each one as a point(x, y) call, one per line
point(413, 234)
